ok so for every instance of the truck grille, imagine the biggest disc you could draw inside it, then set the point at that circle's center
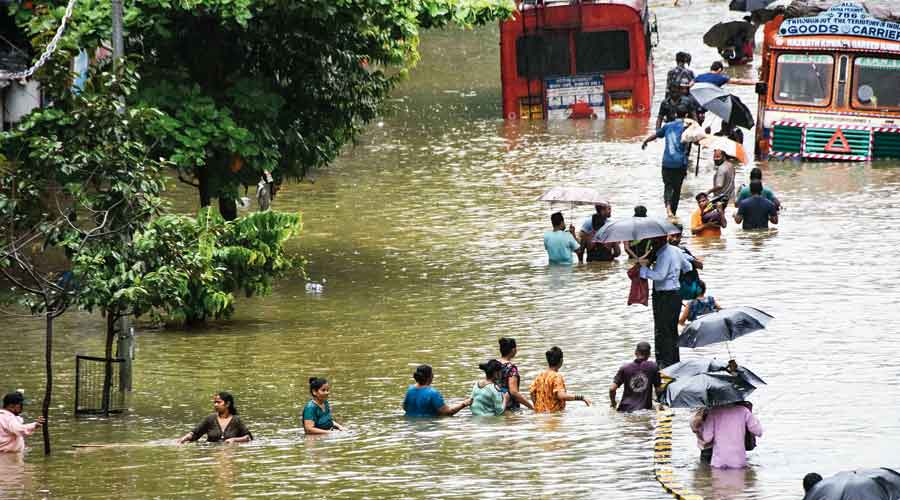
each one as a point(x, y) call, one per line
point(817, 139)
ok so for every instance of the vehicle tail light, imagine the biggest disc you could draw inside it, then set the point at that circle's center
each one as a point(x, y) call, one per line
point(621, 102)
point(531, 108)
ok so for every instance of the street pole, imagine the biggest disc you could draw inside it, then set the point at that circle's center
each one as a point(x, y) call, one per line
point(118, 36)
point(125, 344)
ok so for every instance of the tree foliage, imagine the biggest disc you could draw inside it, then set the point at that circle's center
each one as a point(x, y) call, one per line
point(251, 85)
point(186, 269)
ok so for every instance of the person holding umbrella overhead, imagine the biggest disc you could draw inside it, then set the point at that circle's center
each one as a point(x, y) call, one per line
point(726, 427)
point(666, 271)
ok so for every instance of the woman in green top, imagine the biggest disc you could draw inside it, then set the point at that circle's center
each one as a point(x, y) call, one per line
point(317, 413)
point(487, 399)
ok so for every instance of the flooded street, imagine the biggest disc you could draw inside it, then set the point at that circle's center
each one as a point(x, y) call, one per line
point(428, 241)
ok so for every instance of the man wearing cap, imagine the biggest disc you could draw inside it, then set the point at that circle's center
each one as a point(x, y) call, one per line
point(639, 379)
point(12, 428)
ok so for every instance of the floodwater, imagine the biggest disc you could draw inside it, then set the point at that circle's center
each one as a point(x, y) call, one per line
point(428, 241)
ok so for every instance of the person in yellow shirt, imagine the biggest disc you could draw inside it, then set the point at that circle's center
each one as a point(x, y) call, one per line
point(712, 228)
point(548, 391)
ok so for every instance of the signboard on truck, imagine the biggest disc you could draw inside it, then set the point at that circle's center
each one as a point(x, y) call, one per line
point(571, 97)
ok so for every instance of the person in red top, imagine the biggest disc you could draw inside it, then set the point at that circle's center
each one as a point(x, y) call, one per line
point(13, 429)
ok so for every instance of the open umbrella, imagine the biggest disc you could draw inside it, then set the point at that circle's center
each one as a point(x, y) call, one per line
point(862, 484)
point(731, 148)
point(635, 228)
point(573, 195)
point(706, 390)
point(722, 326)
point(721, 103)
point(722, 34)
point(694, 367)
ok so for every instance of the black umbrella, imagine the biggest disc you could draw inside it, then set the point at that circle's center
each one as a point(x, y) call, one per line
point(723, 104)
point(722, 34)
point(706, 390)
point(697, 366)
point(635, 228)
point(722, 326)
point(862, 484)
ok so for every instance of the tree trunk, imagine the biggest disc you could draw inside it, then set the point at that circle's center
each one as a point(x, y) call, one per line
point(48, 389)
point(107, 373)
point(203, 180)
point(228, 208)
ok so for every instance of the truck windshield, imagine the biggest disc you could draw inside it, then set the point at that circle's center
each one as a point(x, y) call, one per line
point(876, 83)
point(804, 79)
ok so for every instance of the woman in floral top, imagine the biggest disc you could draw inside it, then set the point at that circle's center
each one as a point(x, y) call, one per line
point(509, 375)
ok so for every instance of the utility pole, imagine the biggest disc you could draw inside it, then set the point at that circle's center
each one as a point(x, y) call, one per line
point(118, 36)
point(125, 337)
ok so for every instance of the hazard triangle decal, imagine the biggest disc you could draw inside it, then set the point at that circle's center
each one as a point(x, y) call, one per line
point(838, 136)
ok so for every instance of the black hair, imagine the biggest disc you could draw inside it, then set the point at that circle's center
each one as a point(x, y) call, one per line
point(755, 174)
point(491, 368)
point(643, 348)
point(756, 187)
point(316, 383)
point(701, 194)
point(554, 356)
point(640, 211)
point(702, 286)
point(716, 66)
point(13, 398)
point(423, 374)
point(683, 57)
point(810, 480)
point(507, 345)
point(229, 400)
point(681, 111)
point(556, 219)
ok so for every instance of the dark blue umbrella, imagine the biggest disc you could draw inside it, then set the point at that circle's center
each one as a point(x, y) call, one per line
point(694, 367)
point(862, 484)
point(706, 390)
point(635, 228)
point(723, 326)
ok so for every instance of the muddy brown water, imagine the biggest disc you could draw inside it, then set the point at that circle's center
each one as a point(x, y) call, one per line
point(428, 241)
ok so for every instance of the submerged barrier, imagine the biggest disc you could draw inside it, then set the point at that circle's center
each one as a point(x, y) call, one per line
point(662, 451)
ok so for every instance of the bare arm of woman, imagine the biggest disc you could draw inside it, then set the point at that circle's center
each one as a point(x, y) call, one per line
point(242, 439)
point(518, 396)
point(684, 314)
point(309, 427)
point(184, 439)
point(562, 395)
point(338, 426)
point(446, 411)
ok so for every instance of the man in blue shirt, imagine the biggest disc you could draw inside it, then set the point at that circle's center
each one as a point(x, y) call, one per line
point(674, 161)
point(560, 243)
point(756, 212)
point(671, 261)
point(717, 77)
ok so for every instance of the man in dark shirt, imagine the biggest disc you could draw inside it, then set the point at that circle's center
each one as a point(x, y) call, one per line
point(677, 97)
point(639, 378)
point(756, 212)
point(680, 71)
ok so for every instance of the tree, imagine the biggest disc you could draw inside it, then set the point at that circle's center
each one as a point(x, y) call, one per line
point(248, 86)
point(77, 176)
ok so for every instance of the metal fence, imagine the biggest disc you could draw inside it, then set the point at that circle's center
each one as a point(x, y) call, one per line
point(90, 373)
